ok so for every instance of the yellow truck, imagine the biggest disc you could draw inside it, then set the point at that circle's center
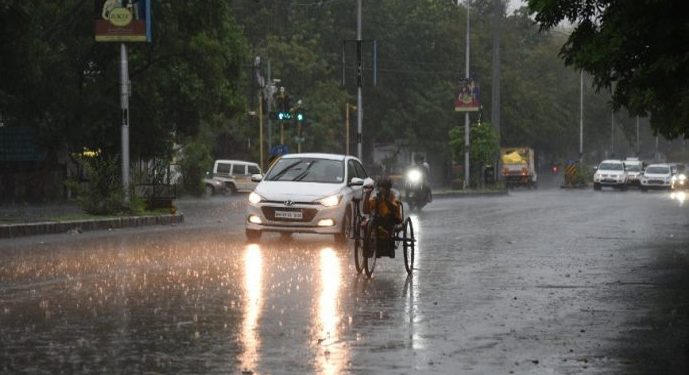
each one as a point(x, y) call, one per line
point(518, 167)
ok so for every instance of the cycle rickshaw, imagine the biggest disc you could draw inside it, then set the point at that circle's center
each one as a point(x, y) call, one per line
point(372, 240)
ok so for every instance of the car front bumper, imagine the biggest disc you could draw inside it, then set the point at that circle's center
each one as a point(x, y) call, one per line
point(312, 215)
point(655, 184)
point(609, 182)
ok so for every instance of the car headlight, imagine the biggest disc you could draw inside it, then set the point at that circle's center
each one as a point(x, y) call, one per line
point(255, 198)
point(330, 201)
point(681, 177)
point(414, 176)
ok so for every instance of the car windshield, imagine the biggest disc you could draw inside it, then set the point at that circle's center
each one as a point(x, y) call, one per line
point(610, 167)
point(634, 168)
point(657, 170)
point(307, 170)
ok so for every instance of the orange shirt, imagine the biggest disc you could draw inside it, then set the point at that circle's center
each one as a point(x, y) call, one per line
point(384, 210)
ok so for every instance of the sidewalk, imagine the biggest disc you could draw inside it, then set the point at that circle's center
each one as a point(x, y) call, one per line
point(26, 220)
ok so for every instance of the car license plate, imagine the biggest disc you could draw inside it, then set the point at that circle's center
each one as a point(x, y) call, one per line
point(294, 215)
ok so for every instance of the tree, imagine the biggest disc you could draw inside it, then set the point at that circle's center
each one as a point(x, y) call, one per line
point(638, 49)
point(483, 150)
point(57, 80)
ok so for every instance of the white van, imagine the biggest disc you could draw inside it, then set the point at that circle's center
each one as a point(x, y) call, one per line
point(236, 174)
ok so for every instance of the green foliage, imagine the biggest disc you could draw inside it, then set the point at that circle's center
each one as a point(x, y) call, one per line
point(484, 146)
point(638, 48)
point(191, 85)
point(194, 163)
point(59, 81)
point(101, 193)
point(584, 174)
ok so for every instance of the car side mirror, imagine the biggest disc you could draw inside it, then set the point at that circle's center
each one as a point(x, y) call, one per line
point(356, 181)
point(256, 177)
point(595, 169)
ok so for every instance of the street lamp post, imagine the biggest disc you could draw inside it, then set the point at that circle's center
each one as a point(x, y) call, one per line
point(581, 116)
point(467, 128)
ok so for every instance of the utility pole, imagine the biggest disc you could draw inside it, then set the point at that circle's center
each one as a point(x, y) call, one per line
point(612, 123)
point(359, 99)
point(467, 128)
point(638, 142)
point(269, 100)
point(581, 116)
point(495, 95)
point(612, 134)
point(260, 127)
point(124, 104)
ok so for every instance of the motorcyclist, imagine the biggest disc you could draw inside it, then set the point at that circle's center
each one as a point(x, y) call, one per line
point(421, 164)
point(386, 205)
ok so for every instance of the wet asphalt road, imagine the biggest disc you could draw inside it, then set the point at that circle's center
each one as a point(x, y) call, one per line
point(537, 282)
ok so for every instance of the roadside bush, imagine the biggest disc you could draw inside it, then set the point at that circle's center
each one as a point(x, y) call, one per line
point(196, 158)
point(584, 174)
point(100, 192)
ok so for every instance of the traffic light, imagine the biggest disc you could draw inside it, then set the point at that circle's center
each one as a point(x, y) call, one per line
point(282, 105)
point(300, 115)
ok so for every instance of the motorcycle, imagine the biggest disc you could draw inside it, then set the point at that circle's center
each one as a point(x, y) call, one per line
point(416, 192)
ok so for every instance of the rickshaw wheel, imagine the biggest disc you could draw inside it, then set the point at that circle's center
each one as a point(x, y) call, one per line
point(358, 254)
point(408, 245)
point(370, 243)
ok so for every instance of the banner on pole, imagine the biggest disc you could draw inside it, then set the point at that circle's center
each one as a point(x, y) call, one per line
point(468, 96)
point(123, 20)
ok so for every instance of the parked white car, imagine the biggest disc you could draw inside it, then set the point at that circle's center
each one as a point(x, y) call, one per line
point(306, 193)
point(234, 174)
point(610, 173)
point(656, 176)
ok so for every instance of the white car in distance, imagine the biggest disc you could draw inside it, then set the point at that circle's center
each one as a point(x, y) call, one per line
point(306, 193)
point(656, 176)
point(610, 173)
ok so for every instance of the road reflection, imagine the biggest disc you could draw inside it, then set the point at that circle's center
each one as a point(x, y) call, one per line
point(679, 196)
point(253, 288)
point(331, 357)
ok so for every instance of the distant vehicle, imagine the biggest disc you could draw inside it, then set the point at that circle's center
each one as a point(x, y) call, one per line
point(417, 192)
point(679, 177)
point(633, 167)
point(518, 167)
point(306, 193)
point(610, 173)
point(657, 176)
point(235, 175)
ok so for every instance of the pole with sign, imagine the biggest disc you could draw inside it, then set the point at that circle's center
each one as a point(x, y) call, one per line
point(115, 22)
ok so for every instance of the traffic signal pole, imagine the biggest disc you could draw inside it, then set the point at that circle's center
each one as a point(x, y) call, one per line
point(260, 127)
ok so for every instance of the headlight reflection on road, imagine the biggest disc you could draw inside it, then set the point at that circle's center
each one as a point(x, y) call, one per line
point(253, 279)
point(330, 355)
point(679, 196)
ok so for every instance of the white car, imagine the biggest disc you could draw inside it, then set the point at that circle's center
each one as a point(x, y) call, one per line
point(235, 175)
point(610, 173)
point(306, 193)
point(656, 176)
